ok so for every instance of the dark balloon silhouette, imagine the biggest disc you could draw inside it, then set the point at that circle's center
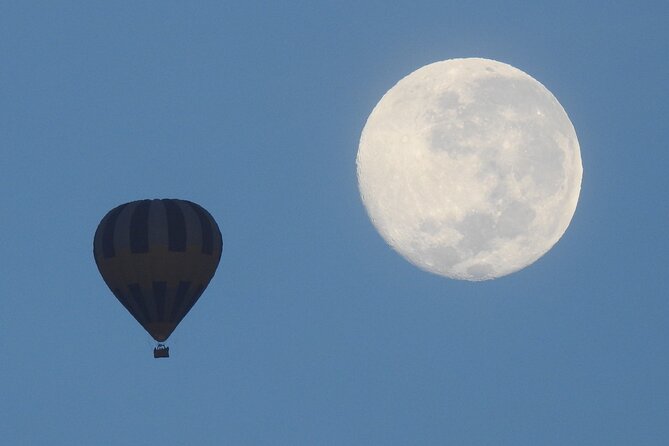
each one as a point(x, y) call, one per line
point(157, 257)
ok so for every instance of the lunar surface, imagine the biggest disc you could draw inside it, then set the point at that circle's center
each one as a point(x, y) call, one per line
point(469, 168)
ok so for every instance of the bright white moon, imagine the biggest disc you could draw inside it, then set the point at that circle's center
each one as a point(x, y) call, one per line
point(469, 168)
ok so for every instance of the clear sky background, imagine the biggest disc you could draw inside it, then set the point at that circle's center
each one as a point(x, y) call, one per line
point(313, 331)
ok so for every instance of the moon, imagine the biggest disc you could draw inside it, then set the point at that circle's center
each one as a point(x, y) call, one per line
point(469, 168)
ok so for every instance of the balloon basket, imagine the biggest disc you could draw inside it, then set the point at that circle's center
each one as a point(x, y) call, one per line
point(161, 351)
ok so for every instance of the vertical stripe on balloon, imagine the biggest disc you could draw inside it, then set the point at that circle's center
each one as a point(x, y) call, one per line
point(139, 228)
point(176, 226)
point(108, 250)
point(190, 302)
point(179, 300)
point(124, 301)
point(138, 297)
point(207, 231)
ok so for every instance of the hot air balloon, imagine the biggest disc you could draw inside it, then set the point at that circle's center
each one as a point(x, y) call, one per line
point(157, 257)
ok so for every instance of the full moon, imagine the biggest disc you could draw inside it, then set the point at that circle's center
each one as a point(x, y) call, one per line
point(469, 168)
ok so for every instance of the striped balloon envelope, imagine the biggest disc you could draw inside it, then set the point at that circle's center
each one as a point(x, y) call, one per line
point(157, 257)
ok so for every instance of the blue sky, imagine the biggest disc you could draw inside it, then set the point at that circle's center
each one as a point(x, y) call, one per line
point(313, 330)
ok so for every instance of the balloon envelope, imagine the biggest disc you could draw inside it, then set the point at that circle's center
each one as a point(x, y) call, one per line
point(157, 257)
